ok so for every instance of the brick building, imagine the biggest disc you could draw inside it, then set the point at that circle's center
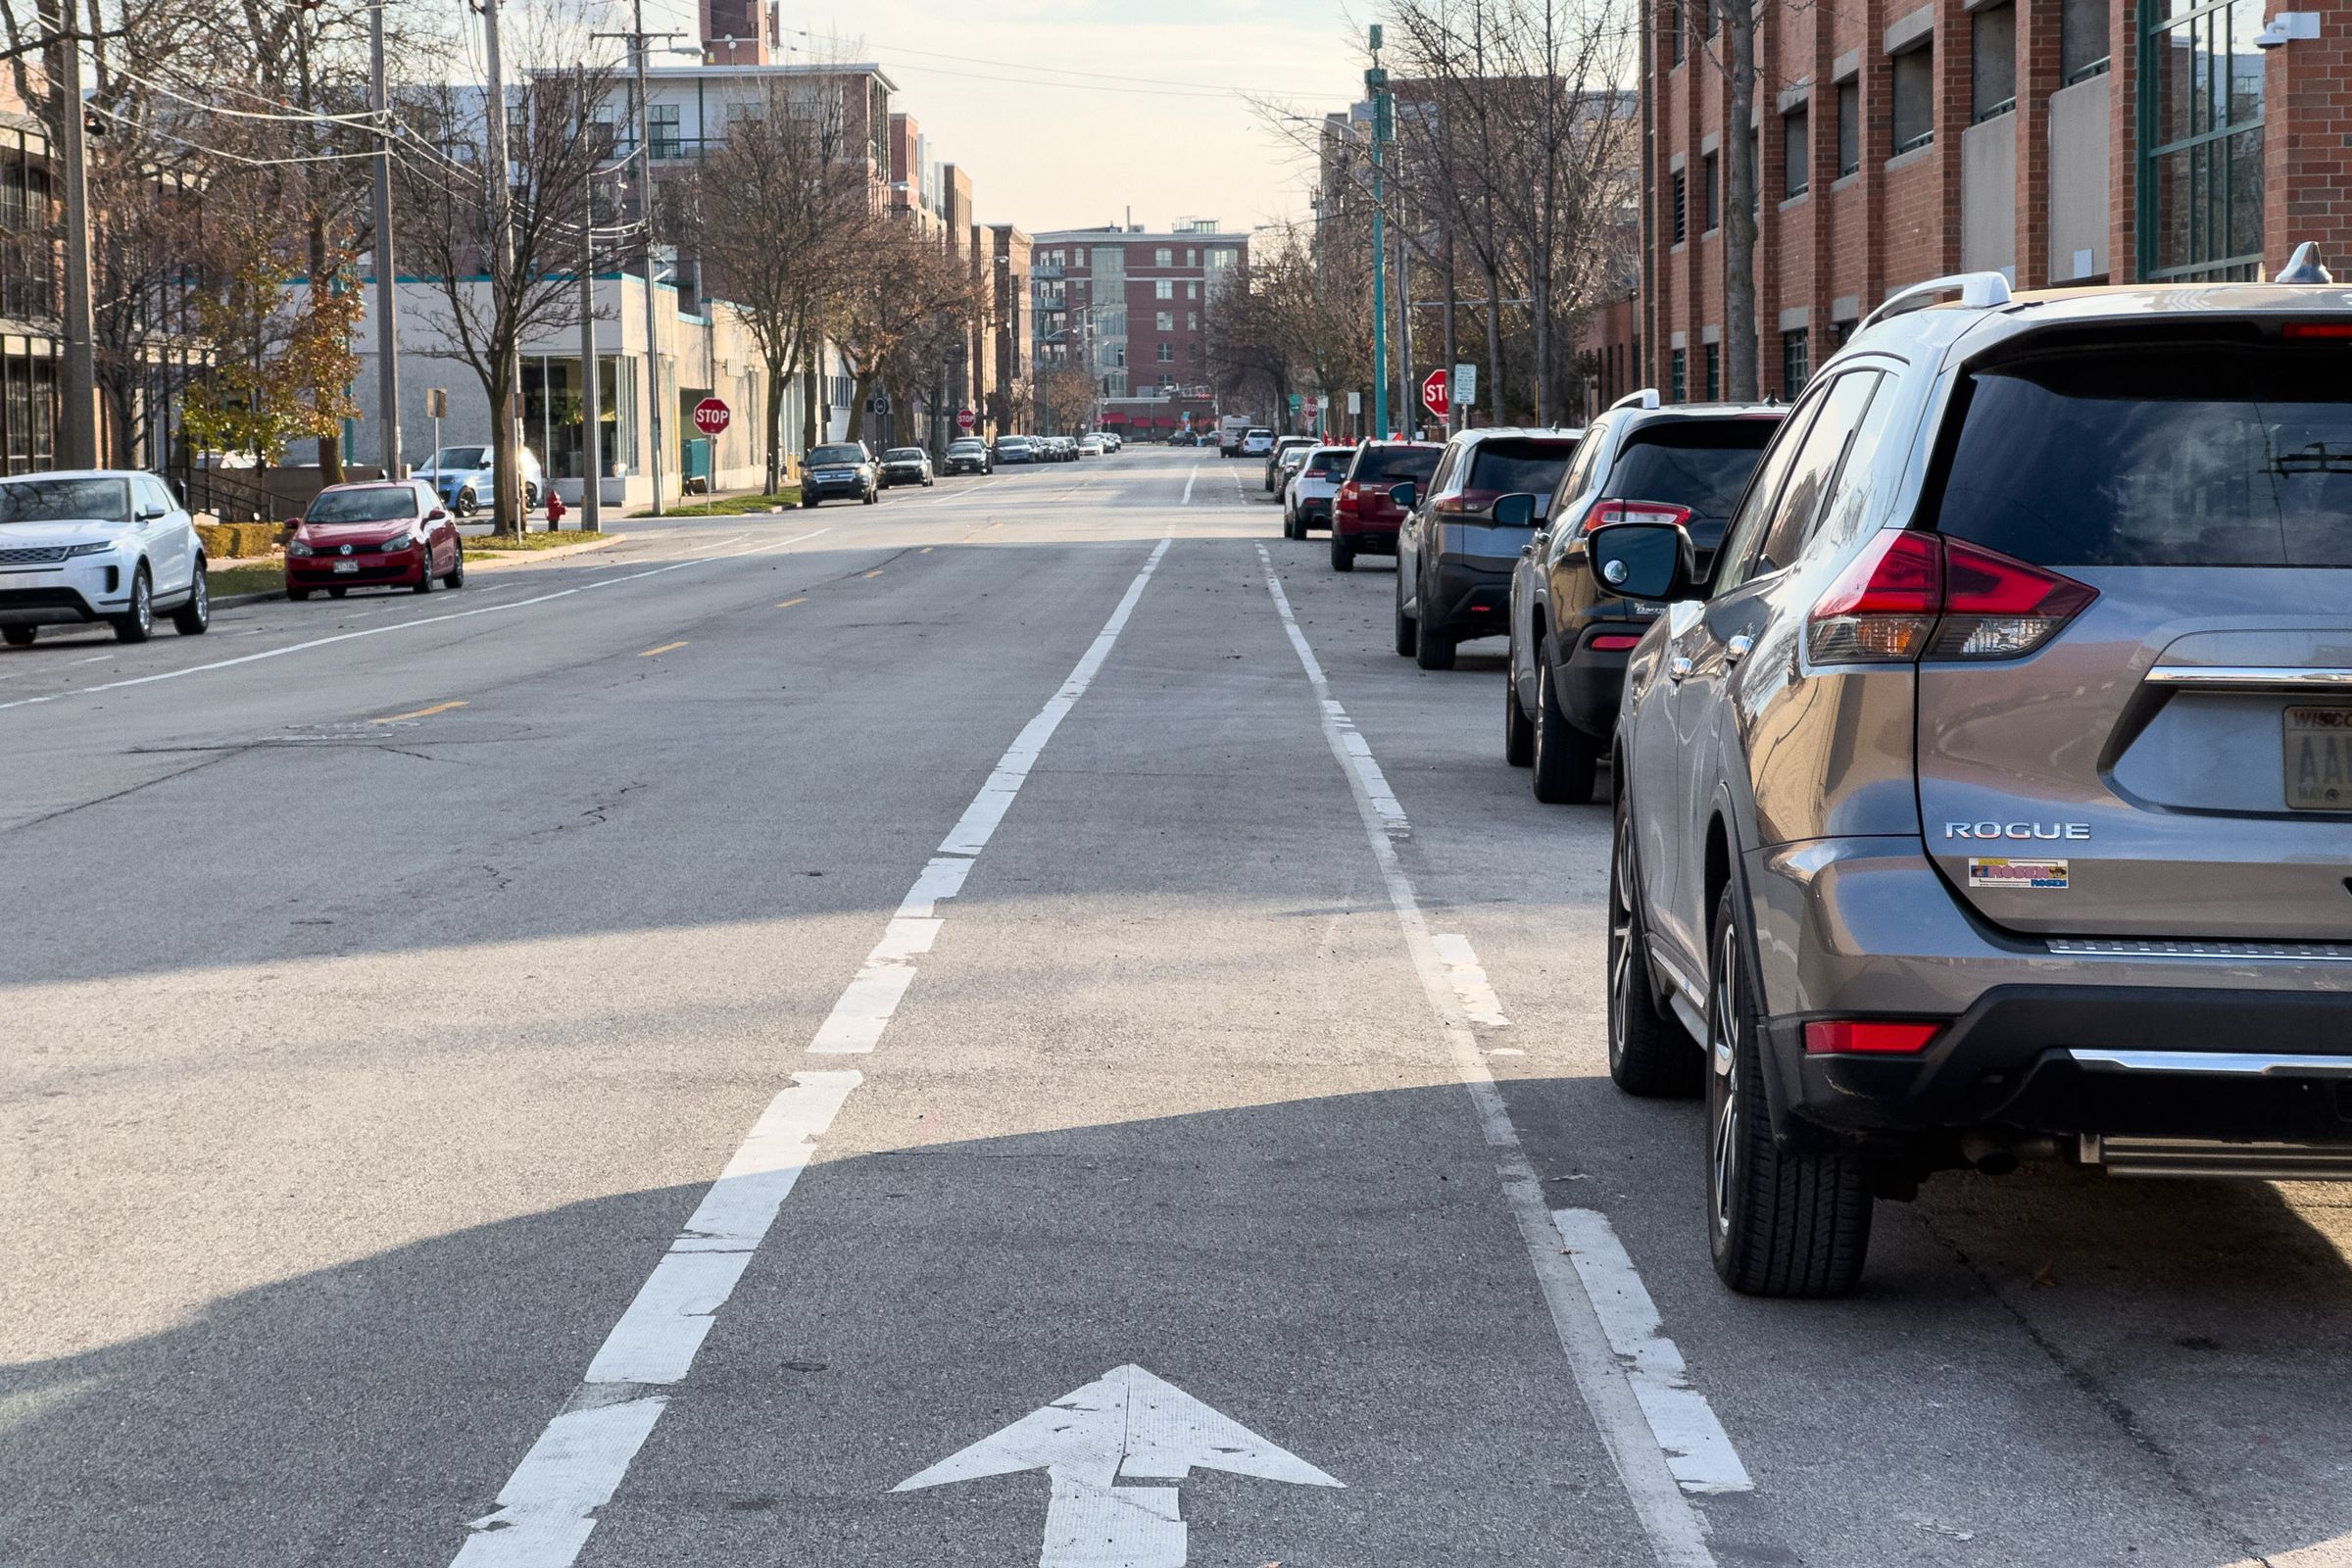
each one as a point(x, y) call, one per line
point(2063, 142)
point(1013, 324)
point(1127, 303)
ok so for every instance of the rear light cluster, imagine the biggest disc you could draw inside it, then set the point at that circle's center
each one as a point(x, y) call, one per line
point(1606, 513)
point(1913, 596)
point(1867, 1037)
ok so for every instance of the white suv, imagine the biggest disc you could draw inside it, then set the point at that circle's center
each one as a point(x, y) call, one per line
point(97, 543)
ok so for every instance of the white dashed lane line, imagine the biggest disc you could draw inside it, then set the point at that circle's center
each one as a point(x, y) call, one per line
point(1619, 1388)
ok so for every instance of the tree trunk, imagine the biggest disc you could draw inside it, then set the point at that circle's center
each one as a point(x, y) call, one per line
point(864, 391)
point(331, 445)
point(774, 434)
point(1739, 223)
point(809, 391)
point(1493, 388)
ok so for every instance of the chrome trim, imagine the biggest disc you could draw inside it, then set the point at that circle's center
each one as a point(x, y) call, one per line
point(2210, 1063)
point(2210, 1156)
point(2252, 678)
point(2226, 951)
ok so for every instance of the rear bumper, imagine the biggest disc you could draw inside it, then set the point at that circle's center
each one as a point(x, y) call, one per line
point(2140, 1040)
point(1590, 680)
point(1314, 510)
point(1380, 538)
point(1469, 598)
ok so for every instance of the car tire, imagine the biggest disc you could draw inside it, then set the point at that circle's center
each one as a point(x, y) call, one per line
point(1290, 526)
point(1566, 759)
point(426, 581)
point(530, 498)
point(457, 574)
point(466, 504)
point(337, 593)
point(19, 636)
point(1437, 645)
point(1343, 553)
point(1409, 630)
point(1650, 1054)
point(1781, 1221)
point(298, 595)
point(138, 624)
point(807, 503)
point(1518, 730)
point(191, 619)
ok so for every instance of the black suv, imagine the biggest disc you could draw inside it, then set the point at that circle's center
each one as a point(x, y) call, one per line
point(1640, 462)
point(840, 469)
point(1454, 559)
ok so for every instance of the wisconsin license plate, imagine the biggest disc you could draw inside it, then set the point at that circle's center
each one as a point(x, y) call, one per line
point(2318, 759)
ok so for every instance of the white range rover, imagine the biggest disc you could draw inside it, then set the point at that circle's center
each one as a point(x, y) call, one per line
point(97, 543)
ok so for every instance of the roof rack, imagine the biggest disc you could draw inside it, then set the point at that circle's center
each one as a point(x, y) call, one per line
point(1979, 291)
point(1646, 397)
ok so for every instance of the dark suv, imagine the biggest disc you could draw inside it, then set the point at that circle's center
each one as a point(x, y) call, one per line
point(842, 469)
point(1454, 559)
point(1990, 796)
point(1364, 512)
point(1682, 464)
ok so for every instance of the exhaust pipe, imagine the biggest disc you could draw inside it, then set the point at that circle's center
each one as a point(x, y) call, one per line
point(1999, 1153)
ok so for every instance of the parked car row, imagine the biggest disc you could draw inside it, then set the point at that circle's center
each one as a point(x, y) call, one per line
point(1980, 734)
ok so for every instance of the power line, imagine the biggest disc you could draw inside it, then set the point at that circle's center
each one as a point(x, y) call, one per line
point(217, 152)
point(361, 119)
point(1217, 88)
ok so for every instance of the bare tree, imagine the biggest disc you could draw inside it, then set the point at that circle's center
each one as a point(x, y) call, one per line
point(771, 215)
point(899, 289)
point(487, 308)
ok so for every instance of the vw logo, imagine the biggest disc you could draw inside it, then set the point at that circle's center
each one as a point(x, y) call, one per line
point(347, 550)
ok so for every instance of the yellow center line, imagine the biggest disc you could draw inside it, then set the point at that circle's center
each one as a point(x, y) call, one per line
point(422, 712)
point(789, 603)
point(871, 575)
point(664, 649)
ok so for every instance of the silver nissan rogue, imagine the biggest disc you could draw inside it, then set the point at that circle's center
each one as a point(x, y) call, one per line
point(1992, 798)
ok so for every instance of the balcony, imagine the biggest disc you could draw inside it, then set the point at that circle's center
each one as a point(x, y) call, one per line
point(1041, 269)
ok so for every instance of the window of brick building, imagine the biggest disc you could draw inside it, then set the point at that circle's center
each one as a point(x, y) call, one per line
point(1992, 60)
point(1165, 352)
point(1163, 290)
point(2083, 47)
point(1166, 321)
point(1849, 125)
point(1914, 98)
point(1675, 26)
point(1678, 375)
point(1710, 193)
point(1796, 151)
point(1163, 257)
point(1797, 361)
point(1714, 372)
point(1680, 203)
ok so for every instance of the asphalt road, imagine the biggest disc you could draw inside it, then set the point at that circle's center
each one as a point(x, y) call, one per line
point(1099, 972)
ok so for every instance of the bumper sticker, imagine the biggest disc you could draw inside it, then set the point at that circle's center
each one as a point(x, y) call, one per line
point(2048, 876)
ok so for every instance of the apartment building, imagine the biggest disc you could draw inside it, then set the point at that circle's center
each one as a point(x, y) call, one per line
point(2062, 142)
point(1127, 303)
point(1010, 395)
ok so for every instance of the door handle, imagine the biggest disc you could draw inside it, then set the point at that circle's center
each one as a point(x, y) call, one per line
point(1737, 647)
point(1677, 667)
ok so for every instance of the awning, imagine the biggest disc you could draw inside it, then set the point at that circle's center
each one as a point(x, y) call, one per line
point(1166, 422)
point(1115, 418)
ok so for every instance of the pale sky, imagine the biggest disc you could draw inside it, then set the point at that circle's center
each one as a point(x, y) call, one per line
point(1025, 95)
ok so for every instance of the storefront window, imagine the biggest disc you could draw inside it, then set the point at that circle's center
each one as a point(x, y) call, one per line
point(552, 405)
point(2201, 119)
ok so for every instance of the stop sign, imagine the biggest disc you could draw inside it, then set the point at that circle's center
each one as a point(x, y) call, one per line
point(711, 415)
point(964, 419)
point(1433, 392)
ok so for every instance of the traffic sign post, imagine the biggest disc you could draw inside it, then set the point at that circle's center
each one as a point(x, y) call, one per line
point(711, 417)
point(1433, 393)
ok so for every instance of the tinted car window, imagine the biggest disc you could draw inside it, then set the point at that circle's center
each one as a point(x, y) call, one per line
point(1517, 466)
point(838, 453)
point(2200, 457)
point(1386, 464)
point(1816, 470)
point(375, 502)
point(904, 453)
point(1329, 462)
point(1699, 464)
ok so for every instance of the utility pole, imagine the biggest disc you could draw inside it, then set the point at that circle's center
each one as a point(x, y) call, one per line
point(77, 433)
point(592, 461)
point(1376, 82)
point(388, 324)
point(506, 473)
point(1407, 386)
point(644, 149)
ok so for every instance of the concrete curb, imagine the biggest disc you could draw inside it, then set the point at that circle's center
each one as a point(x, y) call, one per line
point(522, 558)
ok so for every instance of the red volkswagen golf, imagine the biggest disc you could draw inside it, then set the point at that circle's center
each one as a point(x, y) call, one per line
point(386, 535)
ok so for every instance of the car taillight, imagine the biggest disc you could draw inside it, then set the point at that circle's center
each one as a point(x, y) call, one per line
point(1345, 499)
point(1605, 513)
point(1612, 642)
point(1867, 1037)
point(1912, 596)
point(1458, 506)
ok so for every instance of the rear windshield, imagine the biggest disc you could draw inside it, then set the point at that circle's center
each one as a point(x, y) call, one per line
point(1330, 462)
point(1394, 465)
point(1699, 464)
point(1518, 467)
point(838, 453)
point(375, 502)
point(2159, 457)
point(904, 453)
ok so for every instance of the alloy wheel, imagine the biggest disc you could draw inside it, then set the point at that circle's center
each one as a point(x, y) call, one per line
point(1621, 942)
point(1723, 1100)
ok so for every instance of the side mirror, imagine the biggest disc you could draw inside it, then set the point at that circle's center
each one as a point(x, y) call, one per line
point(1515, 511)
point(148, 513)
point(437, 514)
point(1641, 560)
point(1404, 495)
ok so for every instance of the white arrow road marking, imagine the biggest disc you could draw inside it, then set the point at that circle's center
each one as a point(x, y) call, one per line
point(547, 1510)
point(1126, 1425)
point(1678, 1536)
point(1698, 1450)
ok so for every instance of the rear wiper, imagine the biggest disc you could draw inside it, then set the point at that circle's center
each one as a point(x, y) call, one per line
point(2317, 458)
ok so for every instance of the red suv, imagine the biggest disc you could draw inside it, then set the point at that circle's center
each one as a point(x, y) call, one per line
point(1363, 518)
point(390, 534)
